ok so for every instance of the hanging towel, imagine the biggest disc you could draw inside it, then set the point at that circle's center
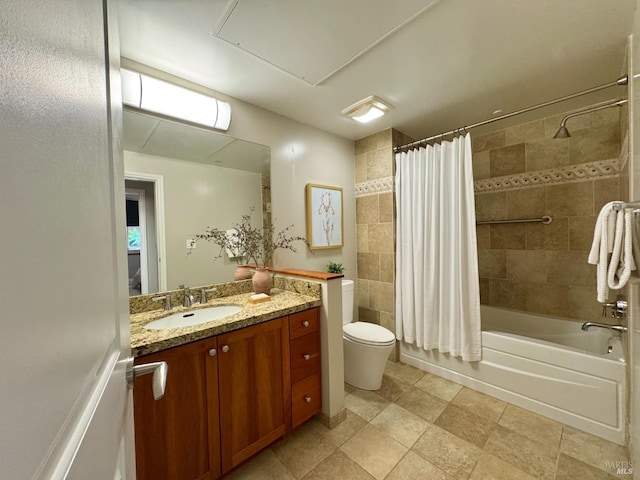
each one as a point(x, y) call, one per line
point(613, 235)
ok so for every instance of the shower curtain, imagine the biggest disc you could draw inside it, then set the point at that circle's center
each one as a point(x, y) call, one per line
point(437, 286)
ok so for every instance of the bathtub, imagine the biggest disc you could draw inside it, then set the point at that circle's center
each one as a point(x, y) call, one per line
point(547, 365)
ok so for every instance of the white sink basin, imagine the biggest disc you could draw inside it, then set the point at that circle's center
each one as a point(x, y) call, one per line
point(193, 317)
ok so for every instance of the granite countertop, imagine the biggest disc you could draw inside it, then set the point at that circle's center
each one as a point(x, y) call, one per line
point(282, 303)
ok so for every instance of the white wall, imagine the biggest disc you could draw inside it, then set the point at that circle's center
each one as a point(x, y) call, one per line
point(300, 154)
point(198, 196)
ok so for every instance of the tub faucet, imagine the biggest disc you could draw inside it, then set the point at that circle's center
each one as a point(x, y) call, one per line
point(618, 328)
point(189, 299)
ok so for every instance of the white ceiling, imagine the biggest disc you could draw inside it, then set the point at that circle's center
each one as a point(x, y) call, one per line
point(442, 64)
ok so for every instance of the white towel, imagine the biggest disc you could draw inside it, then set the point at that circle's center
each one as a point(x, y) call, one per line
point(612, 235)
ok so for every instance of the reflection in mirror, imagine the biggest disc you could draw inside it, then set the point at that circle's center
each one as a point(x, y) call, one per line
point(181, 179)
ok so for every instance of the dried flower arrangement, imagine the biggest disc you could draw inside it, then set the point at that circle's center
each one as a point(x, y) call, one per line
point(251, 244)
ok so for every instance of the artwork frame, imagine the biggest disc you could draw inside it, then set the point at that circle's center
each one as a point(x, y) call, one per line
point(325, 216)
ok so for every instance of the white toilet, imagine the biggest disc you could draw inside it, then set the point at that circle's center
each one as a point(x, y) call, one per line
point(366, 346)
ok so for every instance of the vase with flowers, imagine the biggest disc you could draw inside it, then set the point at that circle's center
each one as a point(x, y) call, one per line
point(253, 245)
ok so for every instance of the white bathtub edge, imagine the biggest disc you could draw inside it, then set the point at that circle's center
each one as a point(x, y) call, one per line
point(616, 435)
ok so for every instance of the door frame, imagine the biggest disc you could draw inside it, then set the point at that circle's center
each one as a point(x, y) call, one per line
point(158, 195)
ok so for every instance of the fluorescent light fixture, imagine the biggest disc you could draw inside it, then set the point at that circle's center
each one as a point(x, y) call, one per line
point(151, 94)
point(367, 109)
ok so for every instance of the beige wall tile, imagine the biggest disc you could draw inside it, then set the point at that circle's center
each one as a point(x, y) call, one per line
point(583, 305)
point(363, 293)
point(384, 139)
point(381, 296)
point(526, 203)
point(484, 291)
point(379, 163)
point(581, 232)
point(385, 207)
point(526, 266)
point(524, 132)
point(596, 143)
point(362, 234)
point(381, 238)
point(367, 209)
point(508, 236)
point(503, 293)
point(547, 153)
point(606, 116)
point(387, 267)
point(553, 236)
point(483, 236)
point(570, 199)
point(491, 206)
point(488, 141)
point(507, 160)
point(605, 191)
point(361, 168)
point(366, 144)
point(569, 268)
point(481, 165)
point(546, 298)
point(387, 321)
point(368, 315)
point(492, 263)
point(369, 266)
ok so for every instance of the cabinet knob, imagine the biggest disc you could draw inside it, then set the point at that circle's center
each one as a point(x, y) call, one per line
point(307, 398)
point(306, 356)
point(225, 348)
point(212, 352)
point(305, 323)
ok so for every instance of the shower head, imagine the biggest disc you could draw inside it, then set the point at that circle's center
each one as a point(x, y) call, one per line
point(562, 132)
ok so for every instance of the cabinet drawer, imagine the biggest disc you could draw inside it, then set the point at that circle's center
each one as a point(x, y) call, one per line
point(302, 323)
point(306, 399)
point(305, 356)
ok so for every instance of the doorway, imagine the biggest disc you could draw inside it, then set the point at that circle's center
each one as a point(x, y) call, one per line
point(142, 237)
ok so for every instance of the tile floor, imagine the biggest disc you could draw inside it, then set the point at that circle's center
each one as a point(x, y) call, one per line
point(421, 426)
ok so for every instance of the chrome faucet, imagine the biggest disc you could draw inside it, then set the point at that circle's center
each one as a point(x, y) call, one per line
point(189, 299)
point(167, 301)
point(203, 294)
point(618, 328)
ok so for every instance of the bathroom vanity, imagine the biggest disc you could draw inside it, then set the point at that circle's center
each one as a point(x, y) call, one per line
point(234, 386)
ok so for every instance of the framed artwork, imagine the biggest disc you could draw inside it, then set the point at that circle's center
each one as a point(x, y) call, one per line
point(324, 216)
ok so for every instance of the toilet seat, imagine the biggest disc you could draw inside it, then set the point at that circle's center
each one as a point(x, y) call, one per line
point(368, 334)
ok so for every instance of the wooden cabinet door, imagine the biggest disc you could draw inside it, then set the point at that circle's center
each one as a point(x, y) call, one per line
point(254, 389)
point(177, 437)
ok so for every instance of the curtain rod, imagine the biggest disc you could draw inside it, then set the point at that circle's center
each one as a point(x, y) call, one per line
point(403, 148)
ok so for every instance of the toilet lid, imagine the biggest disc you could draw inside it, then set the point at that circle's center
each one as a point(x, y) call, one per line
point(369, 333)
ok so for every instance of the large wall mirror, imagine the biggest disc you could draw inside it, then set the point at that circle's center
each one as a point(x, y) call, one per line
point(179, 180)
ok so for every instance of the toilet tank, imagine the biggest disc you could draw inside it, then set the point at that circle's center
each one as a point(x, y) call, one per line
point(347, 301)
